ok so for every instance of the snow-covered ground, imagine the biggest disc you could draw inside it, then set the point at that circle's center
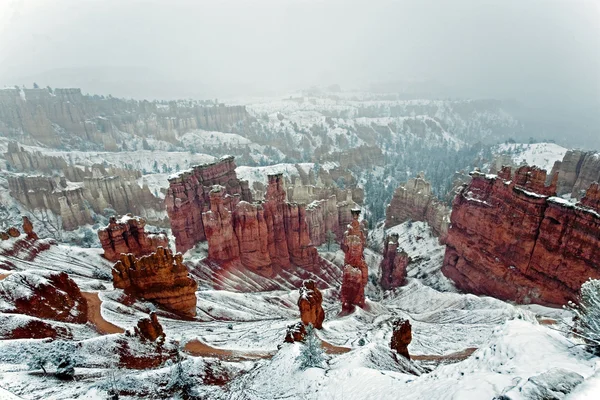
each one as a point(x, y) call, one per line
point(511, 353)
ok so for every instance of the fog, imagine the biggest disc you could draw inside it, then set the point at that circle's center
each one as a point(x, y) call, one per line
point(543, 52)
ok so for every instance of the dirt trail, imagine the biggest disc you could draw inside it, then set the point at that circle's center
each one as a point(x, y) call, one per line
point(95, 316)
point(200, 349)
point(455, 357)
point(2, 276)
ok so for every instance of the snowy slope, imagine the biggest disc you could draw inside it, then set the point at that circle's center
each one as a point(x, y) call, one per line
point(543, 155)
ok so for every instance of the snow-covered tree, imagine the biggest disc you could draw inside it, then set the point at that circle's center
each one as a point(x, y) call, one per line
point(311, 355)
point(180, 380)
point(62, 354)
point(587, 315)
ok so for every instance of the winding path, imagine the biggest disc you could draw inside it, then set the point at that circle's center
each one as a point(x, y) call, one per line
point(95, 315)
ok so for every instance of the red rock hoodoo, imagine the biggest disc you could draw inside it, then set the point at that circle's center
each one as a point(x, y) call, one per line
point(127, 235)
point(394, 263)
point(309, 303)
point(356, 271)
point(401, 337)
point(149, 328)
point(264, 238)
point(160, 277)
point(188, 197)
point(511, 239)
point(415, 201)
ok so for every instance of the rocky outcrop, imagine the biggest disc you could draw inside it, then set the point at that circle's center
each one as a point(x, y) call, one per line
point(295, 333)
point(511, 239)
point(127, 235)
point(394, 264)
point(576, 172)
point(356, 271)
point(52, 296)
point(415, 201)
point(188, 197)
point(160, 277)
point(149, 329)
point(309, 303)
point(24, 247)
point(19, 326)
point(401, 337)
point(24, 161)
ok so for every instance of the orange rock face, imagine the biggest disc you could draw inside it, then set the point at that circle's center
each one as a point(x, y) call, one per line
point(394, 263)
point(160, 277)
point(54, 296)
point(188, 197)
point(509, 241)
point(401, 337)
point(309, 303)
point(127, 235)
point(356, 271)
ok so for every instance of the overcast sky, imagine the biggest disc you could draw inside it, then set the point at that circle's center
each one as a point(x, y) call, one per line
point(547, 50)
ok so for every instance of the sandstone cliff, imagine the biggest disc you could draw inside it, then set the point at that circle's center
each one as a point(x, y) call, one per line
point(160, 277)
point(416, 201)
point(127, 235)
point(576, 172)
point(75, 202)
point(511, 239)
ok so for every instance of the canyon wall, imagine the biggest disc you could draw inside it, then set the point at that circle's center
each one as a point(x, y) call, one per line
point(512, 239)
point(415, 201)
point(188, 197)
point(576, 172)
point(51, 116)
point(75, 202)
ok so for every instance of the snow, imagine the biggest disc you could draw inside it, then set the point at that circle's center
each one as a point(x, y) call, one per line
point(543, 155)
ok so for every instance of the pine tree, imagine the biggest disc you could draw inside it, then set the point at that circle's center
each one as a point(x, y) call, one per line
point(587, 315)
point(311, 355)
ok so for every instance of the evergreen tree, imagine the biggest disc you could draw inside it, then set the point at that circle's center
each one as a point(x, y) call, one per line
point(311, 355)
point(587, 315)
